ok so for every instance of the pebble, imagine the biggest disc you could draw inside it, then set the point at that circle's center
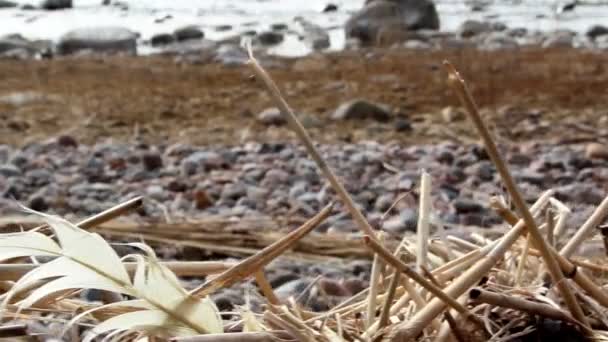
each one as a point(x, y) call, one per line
point(152, 161)
point(596, 151)
point(360, 109)
point(272, 116)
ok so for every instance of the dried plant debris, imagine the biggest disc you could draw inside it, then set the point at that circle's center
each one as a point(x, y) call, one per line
point(527, 283)
point(83, 260)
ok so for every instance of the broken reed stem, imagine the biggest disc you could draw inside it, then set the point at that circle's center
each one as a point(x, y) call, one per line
point(266, 288)
point(586, 229)
point(237, 337)
point(458, 335)
point(13, 272)
point(553, 267)
point(550, 221)
point(604, 232)
point(373, 291)
point(423, 221)
point(302, 134)
point(106, 215)
point(571, 271)
point(386, 307)
point(250, 265)
point(522, 262)
point(478, 295)
point(408, 330)
point(13, 331)
point(389, 258)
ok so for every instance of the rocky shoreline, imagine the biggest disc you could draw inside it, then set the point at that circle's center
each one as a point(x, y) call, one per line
point(278, 179)
point(391, 24)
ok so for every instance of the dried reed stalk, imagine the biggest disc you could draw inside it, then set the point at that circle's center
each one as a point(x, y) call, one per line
point(106, 215)
point(586, 229)
point(410, 329)
point(553, 267)
point(478, 295)
point(12, 331)
point(265, 336)
point(427, 285)
point(266, 288)
point(373, 291)
point(570, 270)
point(458, 334)
point(423, 221)
point(303, 135)
point(250, 265)
point(13, 272)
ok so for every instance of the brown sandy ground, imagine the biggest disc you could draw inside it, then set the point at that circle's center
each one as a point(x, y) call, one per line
point(529, 94)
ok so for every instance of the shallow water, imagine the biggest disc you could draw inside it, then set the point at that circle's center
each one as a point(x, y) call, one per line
point(244, 15)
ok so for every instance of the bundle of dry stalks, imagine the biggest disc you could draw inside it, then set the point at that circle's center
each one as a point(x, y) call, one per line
point(451, 289)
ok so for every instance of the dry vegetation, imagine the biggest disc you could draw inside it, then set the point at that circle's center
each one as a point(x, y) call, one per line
point(495, 287)
point(157, 98)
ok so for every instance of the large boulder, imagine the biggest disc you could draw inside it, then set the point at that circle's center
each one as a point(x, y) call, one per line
point(99, 39)
point(379, 15)
point(7, 4)
point(55, 4)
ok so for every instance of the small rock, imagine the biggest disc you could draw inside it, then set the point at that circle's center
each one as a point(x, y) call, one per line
point(471, 28)
point(152, 161)
point(7, 4)
point(269, 38)
point(451, 114)
point(275, 177)
point(464, 205)
point(403, 125)
point(177, 186)
point(330, 8)
point(38, 203)
point(272, 116)
point(360, 110)
point(56, 4)
point(355, 285)
point(281, 278)
point(202, 200)
point(9, 170)
point(558, 40)
point(223, 28)
point(162, 39)
point(377, 15)
point(205, 160)
point(407, 220)
point(596, 151)
point(298, 288)
point(98, 39)
point(597, 31)
point(331, 287)
point(279, 27)
point(188, 32)
point(67, 141)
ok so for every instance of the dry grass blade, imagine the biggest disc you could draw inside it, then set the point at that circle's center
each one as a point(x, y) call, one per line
point(107, 215)
point(412, 328)
point(570, 270)
point(552, 265)
point(14, 330)
point(478, 295)
point(164, 306)
point(180, 268)
point(423, 221)
point(586, 229)
point(252, 264)
point(458, 334)
point(237, 337)
point(398, 264)
point(307, 141)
